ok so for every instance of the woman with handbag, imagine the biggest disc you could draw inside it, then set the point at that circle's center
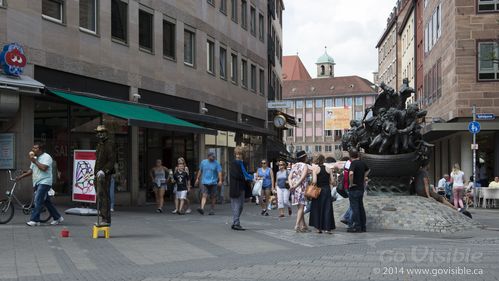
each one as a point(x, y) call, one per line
point(282, 189)
point(321, 213)
point(298, 183)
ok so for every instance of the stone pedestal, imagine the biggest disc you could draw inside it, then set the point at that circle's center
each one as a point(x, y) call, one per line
point(413, 213)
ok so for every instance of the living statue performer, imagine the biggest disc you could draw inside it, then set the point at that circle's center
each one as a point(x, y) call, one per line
point(104, 168)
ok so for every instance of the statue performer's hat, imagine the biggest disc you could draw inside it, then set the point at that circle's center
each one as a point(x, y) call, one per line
point(101, 128)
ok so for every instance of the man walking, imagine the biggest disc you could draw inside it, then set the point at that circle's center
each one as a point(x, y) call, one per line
point(41, 170)
point(104, 169)
point(357, 175)
point(210, 173)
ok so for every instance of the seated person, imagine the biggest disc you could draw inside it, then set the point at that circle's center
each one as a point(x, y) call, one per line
point(422, 184)
point(495, 183)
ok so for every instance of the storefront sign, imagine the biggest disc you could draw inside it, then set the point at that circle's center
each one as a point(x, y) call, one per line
point(7, 151)
point(337, 118)
point(12, 59)
point(83, 176)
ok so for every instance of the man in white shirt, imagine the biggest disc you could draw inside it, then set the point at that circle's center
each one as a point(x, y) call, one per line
point(41, 171)
point(495, 183)
point(443, 186)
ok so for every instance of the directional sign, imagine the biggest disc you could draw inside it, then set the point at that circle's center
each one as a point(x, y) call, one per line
point(474, 127)
point(485, 116)
point(278, 104)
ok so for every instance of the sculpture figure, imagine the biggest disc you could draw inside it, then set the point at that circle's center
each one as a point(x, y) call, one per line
point(104, 168)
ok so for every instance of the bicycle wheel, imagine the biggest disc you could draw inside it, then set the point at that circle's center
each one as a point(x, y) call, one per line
point(6, 211)
point(44, 215)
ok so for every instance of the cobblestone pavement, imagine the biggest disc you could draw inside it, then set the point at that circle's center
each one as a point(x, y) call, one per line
point(156, 247)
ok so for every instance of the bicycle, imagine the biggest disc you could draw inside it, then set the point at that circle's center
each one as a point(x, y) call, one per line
point(7, 205)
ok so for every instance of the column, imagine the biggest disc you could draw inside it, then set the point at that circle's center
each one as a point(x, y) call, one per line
point(466, 154)
point(496, 155)
point(137, 198)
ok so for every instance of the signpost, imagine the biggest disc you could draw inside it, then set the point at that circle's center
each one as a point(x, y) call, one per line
point(474, 128)
point(485, 116)
point(278, 104)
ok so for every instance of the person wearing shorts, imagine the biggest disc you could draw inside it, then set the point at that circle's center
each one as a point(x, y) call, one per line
point(210, 178)
point(265, 174)
point(183, 184)
point(159, 174)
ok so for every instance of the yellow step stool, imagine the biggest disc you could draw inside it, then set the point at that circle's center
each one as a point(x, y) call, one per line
point(97, 229)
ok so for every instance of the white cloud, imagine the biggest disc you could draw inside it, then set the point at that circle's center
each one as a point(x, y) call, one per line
point(350, 30)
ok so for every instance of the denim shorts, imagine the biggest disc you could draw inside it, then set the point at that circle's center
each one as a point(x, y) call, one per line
point(209, 189)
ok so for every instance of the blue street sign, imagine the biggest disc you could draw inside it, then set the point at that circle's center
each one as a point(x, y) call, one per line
point(474, 127)
point(485, 116)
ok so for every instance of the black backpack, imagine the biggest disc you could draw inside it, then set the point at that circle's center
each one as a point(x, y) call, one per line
point(340, 188)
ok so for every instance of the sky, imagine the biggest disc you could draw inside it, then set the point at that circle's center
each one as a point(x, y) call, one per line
point(350, 30)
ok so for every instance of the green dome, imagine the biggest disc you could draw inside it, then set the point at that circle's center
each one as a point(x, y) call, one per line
point(325, 58)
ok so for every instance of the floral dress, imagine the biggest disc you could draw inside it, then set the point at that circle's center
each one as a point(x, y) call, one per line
point(298, 195)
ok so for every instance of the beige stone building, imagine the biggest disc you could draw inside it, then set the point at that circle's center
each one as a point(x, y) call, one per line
point(406, 46)
point(461, 43)
point(387, 52)
point(205, 62)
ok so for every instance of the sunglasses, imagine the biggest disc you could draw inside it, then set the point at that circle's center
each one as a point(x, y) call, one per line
point(264, 163)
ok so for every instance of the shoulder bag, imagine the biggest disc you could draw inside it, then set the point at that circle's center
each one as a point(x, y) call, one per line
point(312, 191)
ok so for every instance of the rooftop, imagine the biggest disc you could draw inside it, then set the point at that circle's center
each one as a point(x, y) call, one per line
point(324, 87)
point(293, 69)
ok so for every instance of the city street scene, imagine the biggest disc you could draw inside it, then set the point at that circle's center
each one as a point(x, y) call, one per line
point(151, 140)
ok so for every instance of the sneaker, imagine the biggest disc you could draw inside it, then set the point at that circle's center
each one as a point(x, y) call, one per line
point(266, 214)
point(174, 211)
point(112, 210)
point(33, 223)
point(201, 211)
point(159, 210)
point(58, 221)
point(211, 213)
point(188, 211)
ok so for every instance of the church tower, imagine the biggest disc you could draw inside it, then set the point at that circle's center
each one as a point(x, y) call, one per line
point(325, 65)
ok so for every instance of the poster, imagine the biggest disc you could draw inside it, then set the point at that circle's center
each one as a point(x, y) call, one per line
point(7, 151)
point(83, 176)
point(337, 118)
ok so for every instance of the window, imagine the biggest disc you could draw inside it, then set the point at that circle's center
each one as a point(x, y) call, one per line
point(359, 115)
point(119, 20)
point(223, 6)
point(210, 57)
point(169, 39)
point(234, 10)
point(329, 102)
point(2, 3)
point(253, 21)
point(291, 132)
point(309, 103)
point(223, 63)
point(318, 148)
point(318, 130)
point(244, 73)
point(359, 100)
point(328, 148)
point(244, 14)
point(53, 10)
point(262, 82)
point(338, 102)
point(253, 77)
point(298, 148)
point(328, 133)
point(189, 47)
point(433, 29)
point(261, 27)
point(88, 15)
point(308, 133)
point(299, 104)
point(211, 2)
point(488, 5)
point(233, 67)
point(338, 133)
point(348, 101)
point(318, 103)
point(488, 64)
point(145, 30)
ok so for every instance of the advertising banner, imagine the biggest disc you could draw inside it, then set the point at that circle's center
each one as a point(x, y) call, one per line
point(83, 176)
point(337, 118)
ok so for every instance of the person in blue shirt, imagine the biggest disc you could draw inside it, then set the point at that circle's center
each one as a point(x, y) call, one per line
point(209, 179)
point(41, 172)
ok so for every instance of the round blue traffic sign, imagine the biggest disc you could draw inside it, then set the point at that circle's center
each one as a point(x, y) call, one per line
point(474, 127)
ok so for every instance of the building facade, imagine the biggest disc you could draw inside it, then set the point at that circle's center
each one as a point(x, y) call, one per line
point(323, 108)
point(406, 46)
point(461, 70)
point(194, 60)
point(387, 52)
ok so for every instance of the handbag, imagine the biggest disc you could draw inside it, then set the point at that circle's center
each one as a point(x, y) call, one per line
point(312, 191)
point(257, 188)
point(340, 189)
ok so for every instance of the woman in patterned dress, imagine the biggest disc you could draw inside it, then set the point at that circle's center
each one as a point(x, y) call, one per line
point(298, 180)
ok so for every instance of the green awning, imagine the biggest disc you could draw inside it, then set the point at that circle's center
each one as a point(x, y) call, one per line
point(136, 114)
